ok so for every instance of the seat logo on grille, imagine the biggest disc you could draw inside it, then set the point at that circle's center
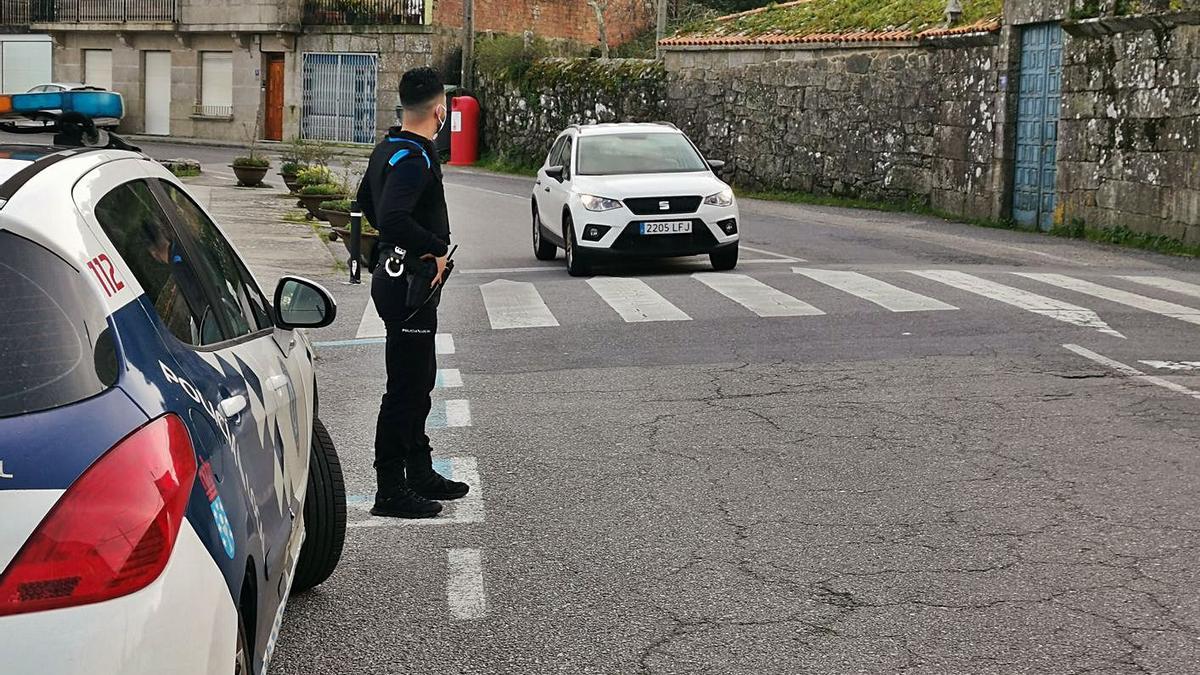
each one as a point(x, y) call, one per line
point(664, 206)
point(2, 474)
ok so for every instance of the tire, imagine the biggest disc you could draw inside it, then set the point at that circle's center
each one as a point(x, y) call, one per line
point(577, 262)
point(724, 259)
point(241, 654)
point(324, 514)
point(542, 249)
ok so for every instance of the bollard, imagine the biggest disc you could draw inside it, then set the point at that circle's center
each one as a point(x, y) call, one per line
point(355, 243)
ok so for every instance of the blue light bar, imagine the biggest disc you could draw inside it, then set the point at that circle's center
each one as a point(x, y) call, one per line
point(97, 105)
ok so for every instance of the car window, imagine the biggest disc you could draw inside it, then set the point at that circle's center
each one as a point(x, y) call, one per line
point(555, 152)
point(55, 344)
point(248, 310)
point(143, 236)
point(565, 160)
point(632, 153)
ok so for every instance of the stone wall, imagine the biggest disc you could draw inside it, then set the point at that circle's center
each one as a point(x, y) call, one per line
point(523, 113)
point(897, 123)
point(1129, 143)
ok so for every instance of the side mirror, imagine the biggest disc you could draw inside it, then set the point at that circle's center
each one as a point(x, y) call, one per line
point(716, 165)
point(300, 303)
point(556, 172)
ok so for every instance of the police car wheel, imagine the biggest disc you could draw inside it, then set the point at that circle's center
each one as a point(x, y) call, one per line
point(577, 264)
point(324, 514)
point(542, 249)
point(724, 259)
point(241, 655)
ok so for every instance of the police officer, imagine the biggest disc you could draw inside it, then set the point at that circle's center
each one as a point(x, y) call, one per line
point(402, 195)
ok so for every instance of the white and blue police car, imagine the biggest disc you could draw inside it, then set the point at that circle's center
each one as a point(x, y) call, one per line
point(164, 480)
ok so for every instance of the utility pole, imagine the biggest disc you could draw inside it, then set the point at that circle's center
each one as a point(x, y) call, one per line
point(660, 28)
point(468, 46)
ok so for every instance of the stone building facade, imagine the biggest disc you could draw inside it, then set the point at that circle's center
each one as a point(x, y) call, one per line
point(271, 69)
point(567, 19)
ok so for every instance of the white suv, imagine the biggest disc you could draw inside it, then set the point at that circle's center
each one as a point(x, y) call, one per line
point(631, 190)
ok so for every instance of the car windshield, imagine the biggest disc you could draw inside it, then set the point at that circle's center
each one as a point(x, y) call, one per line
point(632, 153)
point(55, 345)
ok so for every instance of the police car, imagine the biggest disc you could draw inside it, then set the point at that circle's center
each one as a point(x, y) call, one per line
point(164, 479)
point(631, 190)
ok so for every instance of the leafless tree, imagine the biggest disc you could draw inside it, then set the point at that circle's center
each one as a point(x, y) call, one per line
point(600, 7)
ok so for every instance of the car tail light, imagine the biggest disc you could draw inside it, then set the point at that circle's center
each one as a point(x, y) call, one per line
point(113, 530)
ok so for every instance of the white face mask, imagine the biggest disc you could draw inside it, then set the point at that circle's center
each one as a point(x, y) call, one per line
point(441, 120)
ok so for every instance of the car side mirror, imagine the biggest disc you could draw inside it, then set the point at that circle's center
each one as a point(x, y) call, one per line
point(300, 303)
point(716, 165)
point(556, 172)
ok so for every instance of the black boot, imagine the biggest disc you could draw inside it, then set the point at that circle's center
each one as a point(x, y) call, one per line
point(394, 499)
point(405, 503)
point(430, 484)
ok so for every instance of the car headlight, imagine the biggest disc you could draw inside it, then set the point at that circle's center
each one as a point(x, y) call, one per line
point(722, 198)
point(594, 203)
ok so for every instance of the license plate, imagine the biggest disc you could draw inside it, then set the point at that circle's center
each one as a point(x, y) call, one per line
point(668, 227)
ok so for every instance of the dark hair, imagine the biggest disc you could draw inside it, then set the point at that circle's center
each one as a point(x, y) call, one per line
point(420, 86)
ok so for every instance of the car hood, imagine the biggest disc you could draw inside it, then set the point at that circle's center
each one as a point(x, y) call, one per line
point(700, 183)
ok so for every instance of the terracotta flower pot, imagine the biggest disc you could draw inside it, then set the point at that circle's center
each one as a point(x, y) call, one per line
point(249, 176)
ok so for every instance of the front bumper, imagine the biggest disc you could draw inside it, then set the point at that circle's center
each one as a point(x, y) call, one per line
point(184, 623)
point(624, 238)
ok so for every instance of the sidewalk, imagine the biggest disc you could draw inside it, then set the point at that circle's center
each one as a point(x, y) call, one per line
point(254, 219)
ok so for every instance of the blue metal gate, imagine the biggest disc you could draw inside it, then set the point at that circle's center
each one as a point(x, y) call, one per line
point(338, 100)
point(1038, 101)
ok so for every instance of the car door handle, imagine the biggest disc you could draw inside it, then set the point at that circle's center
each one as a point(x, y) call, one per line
point(232, 407)
point(277, 382)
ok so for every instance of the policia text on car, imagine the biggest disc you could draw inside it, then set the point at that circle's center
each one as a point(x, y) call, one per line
point(402, 194)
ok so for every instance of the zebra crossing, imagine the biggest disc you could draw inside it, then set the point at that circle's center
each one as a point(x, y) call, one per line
point(521, 305)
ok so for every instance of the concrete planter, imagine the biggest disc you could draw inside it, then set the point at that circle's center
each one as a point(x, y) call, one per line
point(249, 176)
point(336, 219)
point(289, 179)
point(369, 241)
point(313, 204)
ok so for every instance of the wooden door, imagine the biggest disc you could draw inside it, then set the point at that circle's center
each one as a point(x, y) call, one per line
point(273, 119)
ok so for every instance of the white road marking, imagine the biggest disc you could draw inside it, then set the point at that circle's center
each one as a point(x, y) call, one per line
point(1166, 284)
point(1162, 307)
point(635, 301)
point(443, 343)
point(515, 304)
point(873, 290)
point(1173, 365)
point(449, 378)
point(1132, 372)
point(458, 412)
point(1031, 302)
point(370, 325)
point(465, 511)
point(464, 587)
point(756, 296)
point(782, 257)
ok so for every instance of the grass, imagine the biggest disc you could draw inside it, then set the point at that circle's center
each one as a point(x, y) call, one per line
point(499, 164)
point(296, 216)
point(1123, 236)
point(185, 171)
point(836, 16)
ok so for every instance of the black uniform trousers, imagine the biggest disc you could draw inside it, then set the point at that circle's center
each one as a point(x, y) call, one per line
point(401, 444)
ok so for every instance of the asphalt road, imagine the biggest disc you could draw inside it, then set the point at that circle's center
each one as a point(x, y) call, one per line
point(1000, 480)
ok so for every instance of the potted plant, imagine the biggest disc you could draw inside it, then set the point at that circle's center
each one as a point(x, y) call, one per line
point(313, 195)
point(288, 172)
point(250, 169)
point(313, 175)
point(337, 213)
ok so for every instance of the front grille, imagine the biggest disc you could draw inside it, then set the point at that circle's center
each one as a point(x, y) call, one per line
point(631, 240)
point(653, 206)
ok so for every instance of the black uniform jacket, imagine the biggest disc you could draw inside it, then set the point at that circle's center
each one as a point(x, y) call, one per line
point(402, 195)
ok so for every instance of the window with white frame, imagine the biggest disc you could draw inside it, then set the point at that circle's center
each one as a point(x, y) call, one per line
point(216, 84)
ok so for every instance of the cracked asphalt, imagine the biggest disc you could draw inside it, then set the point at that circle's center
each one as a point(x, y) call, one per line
point(863, 492)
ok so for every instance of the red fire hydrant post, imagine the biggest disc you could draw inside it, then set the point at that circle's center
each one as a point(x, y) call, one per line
point(464, 131)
